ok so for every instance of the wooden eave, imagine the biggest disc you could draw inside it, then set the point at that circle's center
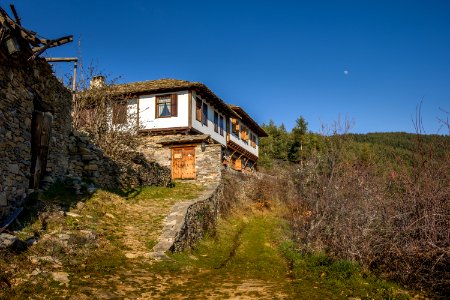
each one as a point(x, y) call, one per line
point(164, 131)
point(188, 139)
point(235, 147)
point(129, 90)
point(248, 121)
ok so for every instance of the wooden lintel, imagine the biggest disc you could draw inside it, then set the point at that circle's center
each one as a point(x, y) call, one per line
point(61, 59)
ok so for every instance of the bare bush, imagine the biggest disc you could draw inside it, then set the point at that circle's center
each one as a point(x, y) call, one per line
point(394, 218)
point(107, 117)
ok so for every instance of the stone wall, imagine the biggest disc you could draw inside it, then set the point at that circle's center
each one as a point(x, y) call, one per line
point(208, 164)
point(88, 162)
point(189, 221)
point(26, 86)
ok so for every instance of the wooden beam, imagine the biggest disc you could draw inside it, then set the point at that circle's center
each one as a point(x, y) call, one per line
point(61, 59)
point(16, 16)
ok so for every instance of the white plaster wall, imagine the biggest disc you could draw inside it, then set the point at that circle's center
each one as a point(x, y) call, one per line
point(241, 143)
point(221, 139)
point(132, 112)
point(147, 112)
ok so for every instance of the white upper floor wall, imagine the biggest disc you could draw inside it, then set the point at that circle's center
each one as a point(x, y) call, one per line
point(244, 139)
point(188, 110)
point(208, 119)
point(160, 116)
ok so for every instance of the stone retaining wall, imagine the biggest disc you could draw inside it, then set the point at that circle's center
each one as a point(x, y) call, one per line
point(88, 161)
point(189, 221)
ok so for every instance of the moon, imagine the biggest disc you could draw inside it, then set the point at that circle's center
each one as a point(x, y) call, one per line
point(345, 72)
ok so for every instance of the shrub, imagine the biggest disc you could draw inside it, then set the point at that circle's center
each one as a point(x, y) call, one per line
point(391, 216)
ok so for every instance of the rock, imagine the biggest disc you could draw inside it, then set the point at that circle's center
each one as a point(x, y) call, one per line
point(88, 234)
point(63, 236)
point(158, 256)
point(31, 241)
point(110, 215)
point(13, 243)
point(62, 277)
point(36, 272)
point(91, 189)
point(74, 215)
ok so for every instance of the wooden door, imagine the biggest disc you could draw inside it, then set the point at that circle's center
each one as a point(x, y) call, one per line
point(238, 164)
point(183, 163)
point(40, 137)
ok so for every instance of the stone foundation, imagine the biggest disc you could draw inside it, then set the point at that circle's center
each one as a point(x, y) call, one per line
point(208, 163)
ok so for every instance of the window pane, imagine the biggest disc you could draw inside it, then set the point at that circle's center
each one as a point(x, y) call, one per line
point(205, 114)
point(164, 106)
point(216, 121)
point(198, 109)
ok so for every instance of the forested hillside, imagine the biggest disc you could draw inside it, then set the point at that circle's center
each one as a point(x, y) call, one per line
point(380, 199)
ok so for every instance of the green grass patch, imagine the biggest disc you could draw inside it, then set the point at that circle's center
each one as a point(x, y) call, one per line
point(241, 249)
point(179, 190)
point(317, 275)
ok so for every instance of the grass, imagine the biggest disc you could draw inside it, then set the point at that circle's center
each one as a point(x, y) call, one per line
point(256, 249)
point(249, 255)
point(90, 244)
point(340, 279)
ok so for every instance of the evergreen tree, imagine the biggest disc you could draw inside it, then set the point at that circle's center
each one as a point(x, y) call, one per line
point(299, 140)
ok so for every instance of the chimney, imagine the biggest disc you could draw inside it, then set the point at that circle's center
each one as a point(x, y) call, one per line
point(97, 82)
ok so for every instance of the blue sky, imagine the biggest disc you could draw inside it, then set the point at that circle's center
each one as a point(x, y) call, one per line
point(369, 61)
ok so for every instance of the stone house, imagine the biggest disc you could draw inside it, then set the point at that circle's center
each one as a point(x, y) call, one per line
point(186, 127)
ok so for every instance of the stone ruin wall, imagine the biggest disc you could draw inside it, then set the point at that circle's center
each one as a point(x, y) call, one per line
point(25, 86)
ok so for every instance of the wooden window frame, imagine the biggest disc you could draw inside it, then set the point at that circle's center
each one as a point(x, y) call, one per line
point(205, 114)
point(173, 106)
point(221, 125)
point(253, 140)
point(216, 121)
point(235, 127)
point(119, 114)
point(198, 109)
point(86, 117)
point(244, 134)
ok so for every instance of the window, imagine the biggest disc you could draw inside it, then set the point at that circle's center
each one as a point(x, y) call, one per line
point(205, 114)
point(119, 114)
point(86, 117)
point(253, 140)
point(221, 125)
point(244, 134)
point(216, 121)
point(235, 126)
point(198, 109)
point(166, 106)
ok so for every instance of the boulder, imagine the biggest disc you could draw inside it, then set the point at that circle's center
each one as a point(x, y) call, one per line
point(11, 242)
